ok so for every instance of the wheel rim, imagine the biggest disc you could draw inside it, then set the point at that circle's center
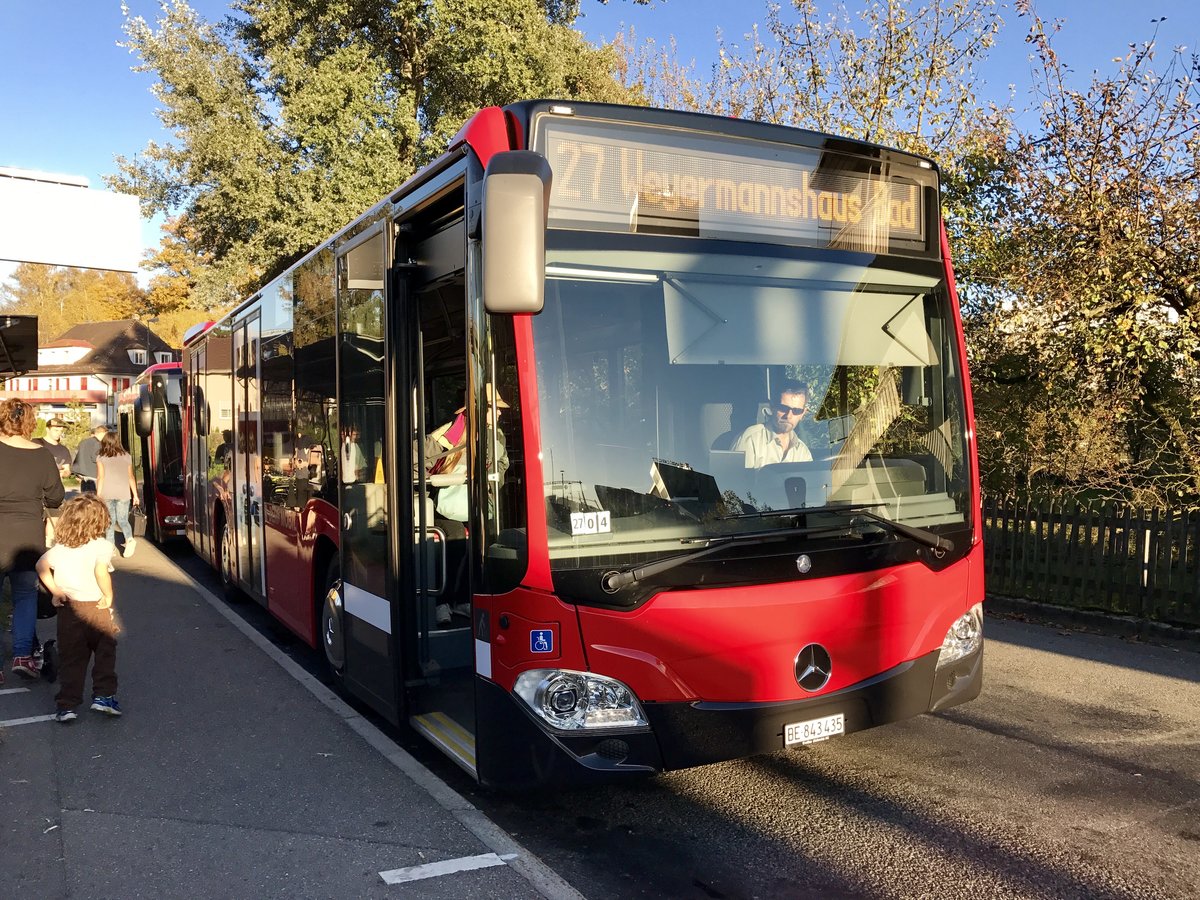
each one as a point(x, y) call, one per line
point(331, 628)
point(227, 555)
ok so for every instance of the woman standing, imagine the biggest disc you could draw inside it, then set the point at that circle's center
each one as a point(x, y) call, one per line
point(29, 485)
point(117, 487)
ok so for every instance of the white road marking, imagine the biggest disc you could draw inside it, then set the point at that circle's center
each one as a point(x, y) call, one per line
point(14, 690)
point(445, 867)
point(8, 723)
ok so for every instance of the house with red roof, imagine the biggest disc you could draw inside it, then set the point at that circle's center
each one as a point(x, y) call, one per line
point(89, 364)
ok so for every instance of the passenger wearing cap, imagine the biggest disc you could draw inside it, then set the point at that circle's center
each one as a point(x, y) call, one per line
point(55, 428)
point(62, 458)
point(445, 447)
point(446, 468)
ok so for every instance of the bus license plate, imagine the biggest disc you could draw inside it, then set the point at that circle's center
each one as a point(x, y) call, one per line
point(814, 730)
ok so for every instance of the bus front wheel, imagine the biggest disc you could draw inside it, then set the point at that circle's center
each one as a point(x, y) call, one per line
point(229, 587)
point(333, 624)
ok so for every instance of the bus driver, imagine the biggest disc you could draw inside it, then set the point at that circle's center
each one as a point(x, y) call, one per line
point(777, 441)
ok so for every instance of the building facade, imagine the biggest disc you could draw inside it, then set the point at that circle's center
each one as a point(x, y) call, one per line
point(89, 365)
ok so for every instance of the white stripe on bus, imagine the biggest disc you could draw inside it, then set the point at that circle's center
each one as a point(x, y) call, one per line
point(372, 609)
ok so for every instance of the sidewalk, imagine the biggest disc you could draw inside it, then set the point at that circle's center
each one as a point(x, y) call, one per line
point(232, 773)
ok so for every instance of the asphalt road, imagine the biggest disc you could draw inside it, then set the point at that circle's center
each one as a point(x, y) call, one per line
point(1075, 774)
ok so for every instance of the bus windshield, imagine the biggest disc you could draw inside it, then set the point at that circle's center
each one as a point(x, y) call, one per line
point(687, 396)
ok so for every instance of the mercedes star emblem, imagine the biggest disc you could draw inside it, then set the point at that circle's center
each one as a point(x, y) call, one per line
point(813, 667)
point(803, 564)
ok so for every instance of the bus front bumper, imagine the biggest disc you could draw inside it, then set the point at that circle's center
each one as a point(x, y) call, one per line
point(521, 752)
point(694, 734)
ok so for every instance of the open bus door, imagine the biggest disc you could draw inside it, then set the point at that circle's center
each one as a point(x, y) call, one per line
point(430, 336)
point(439, 320)
point(405, 365)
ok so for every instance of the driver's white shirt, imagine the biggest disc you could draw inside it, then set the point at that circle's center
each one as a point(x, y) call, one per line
point(761, 449)
point(353, 461)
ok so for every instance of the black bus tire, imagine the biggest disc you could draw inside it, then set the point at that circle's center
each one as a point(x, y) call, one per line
point(152, 528)
point(331, 633)
point(229, 587)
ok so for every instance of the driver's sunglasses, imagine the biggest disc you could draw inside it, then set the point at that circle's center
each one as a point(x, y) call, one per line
point(794, 410)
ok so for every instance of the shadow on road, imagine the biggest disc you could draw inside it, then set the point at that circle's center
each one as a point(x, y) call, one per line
point(1069, 640)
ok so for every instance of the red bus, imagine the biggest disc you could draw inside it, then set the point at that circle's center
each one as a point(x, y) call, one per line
point(151, 428)
point(615, 441)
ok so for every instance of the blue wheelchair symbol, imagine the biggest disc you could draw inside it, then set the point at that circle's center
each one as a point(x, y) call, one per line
point(541, 641)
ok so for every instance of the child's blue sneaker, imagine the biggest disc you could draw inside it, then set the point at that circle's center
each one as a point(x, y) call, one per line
point(65, 716)
point(107, 705)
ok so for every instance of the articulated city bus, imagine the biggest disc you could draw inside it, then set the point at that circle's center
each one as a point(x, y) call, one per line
point(151, 428)
point(615, 441)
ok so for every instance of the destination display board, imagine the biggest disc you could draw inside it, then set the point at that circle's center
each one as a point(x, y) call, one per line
point(616, 176)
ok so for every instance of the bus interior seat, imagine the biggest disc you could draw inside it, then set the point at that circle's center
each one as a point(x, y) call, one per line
point(882, 479)
point(716, 426)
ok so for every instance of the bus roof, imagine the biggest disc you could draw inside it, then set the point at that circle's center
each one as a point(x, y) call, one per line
point(522, 114)
point(160, 369)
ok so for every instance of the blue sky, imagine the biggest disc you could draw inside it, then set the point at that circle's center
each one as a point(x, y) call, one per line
point(70, 104)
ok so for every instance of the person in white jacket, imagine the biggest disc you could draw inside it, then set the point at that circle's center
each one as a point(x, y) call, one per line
point(777, 441)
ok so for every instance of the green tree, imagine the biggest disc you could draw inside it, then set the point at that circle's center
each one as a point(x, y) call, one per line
point(892, 73)
point(1087, 345)
point(291, 119)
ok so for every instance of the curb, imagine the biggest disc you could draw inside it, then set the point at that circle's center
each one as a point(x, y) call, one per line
point(536, 873)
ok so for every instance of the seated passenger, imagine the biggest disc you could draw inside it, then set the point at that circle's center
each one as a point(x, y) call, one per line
point(446, 458)
point(778, 442)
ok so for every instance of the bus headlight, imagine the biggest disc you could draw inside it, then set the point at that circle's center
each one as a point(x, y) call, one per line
point(175, 520)
point(964, 637)
point(579, 700)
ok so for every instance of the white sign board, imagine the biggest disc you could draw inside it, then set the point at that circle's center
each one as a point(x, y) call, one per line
point(68, 225)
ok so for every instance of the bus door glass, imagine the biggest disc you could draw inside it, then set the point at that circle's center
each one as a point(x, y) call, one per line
point(199, 470)
point(440, 668)
point(247, 461)
point(167, 438)
point(362, 465)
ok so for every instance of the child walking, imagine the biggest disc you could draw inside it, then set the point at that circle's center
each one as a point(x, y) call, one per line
point(76, 573)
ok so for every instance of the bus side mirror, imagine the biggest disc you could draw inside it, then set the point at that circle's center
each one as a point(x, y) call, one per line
point(516, 197)
point(143, 412)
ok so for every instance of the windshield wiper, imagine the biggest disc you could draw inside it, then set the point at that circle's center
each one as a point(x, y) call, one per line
point(935, 542)
point(614, 580)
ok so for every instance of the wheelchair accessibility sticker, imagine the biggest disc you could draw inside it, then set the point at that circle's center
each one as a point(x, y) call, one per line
point(541, 641)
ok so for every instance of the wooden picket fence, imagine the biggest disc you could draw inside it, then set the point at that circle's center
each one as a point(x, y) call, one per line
point(1109, 557)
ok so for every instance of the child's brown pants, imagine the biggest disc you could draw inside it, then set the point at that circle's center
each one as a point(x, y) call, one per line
point(84, 630)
